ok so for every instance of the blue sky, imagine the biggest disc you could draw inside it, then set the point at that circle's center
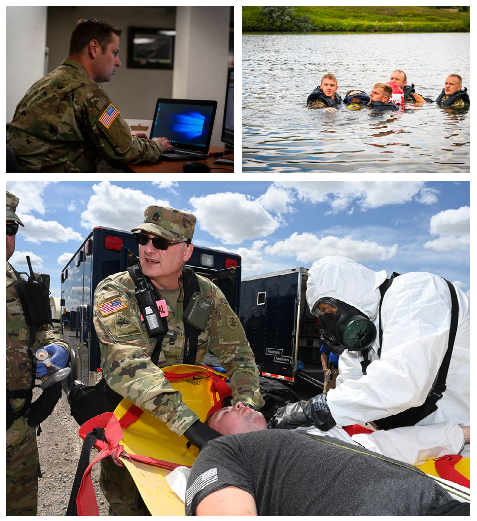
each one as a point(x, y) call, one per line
point(397, 226)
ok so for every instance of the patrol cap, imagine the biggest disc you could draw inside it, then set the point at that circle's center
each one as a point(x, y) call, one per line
point(12, 203)
point(173, 225)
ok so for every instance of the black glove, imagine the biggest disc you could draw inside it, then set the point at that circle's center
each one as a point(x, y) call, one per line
point(289, 417)
point(227, 401)
point(313, 412)
point(42, 407)
point(316, 409)
point(199, 434)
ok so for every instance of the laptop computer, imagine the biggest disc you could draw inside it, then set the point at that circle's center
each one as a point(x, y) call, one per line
point(187, 124)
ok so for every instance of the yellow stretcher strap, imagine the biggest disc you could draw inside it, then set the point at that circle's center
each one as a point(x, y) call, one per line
point(202, 391)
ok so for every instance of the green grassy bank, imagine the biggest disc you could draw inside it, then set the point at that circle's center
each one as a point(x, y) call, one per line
point(358, 19)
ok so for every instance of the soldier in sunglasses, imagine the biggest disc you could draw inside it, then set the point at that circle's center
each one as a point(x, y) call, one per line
point(165, 245)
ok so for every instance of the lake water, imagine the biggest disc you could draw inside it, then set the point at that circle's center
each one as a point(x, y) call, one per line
point(281, 135)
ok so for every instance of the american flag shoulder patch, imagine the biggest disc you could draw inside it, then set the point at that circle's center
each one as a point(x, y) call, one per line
point(111, 306)
point(109, 115)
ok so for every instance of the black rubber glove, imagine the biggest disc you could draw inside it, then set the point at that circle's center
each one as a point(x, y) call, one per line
point(42, 407)
point(227, 402)
point(199, 434)
point(289, 417)
point(317, 410)
point(313, 412)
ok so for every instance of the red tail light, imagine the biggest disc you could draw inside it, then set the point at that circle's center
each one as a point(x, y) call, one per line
point(113, 243)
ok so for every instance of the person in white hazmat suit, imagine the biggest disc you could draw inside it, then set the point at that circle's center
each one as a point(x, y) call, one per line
point(397, 373)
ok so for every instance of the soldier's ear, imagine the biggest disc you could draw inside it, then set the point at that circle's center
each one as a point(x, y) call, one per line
point(94, 47)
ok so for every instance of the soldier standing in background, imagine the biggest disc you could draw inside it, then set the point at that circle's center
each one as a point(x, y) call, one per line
point(67, 123)
point(129, 358)
point(24, 338)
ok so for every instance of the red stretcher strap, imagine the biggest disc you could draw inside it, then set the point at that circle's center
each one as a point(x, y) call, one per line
point(445, 467)
point(86, 502)
point(218, 385)
point(357, 429)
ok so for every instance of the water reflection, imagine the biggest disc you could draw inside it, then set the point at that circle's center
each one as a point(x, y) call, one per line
point(281, 135)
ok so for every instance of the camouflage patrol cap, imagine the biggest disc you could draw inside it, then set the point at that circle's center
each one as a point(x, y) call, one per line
point(172, 224)
point(12, 203)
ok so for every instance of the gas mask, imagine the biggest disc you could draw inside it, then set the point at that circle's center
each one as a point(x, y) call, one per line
point(345, 327)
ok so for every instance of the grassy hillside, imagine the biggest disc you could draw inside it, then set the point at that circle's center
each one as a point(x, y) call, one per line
point(360, 19)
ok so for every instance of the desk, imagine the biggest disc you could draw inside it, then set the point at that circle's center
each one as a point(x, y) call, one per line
point(168, 167)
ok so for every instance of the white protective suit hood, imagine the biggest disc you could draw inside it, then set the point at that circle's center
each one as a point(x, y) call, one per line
point(346, 280)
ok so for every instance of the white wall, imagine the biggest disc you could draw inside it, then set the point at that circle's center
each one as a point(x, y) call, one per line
point(26, 43)
point(201, 55)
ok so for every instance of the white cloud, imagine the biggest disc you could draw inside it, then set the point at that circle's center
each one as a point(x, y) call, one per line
point(368, 194)
point(116, 207)
point(39, 231)
point(29, 193)
point(453, 229)
point(252, 258)
point(277, 199)
point(18, 260)
point(167, 185)
point(307, 247)
point(64, 258)
point(233, 217)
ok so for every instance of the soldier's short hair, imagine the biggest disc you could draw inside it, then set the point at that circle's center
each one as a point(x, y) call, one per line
point(91, 29)
point(459, 78)
point(402, 72)
point(387, 89)
point(330, 77)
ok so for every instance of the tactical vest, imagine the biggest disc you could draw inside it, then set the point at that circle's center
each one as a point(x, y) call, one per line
point(381, 105)
point(448, 102)
point(318, 94)
point(408, 92)
point(34, 298)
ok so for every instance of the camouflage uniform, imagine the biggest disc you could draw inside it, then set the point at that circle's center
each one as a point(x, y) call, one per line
point(67, 123)
point(126, 352)
point(22, 453)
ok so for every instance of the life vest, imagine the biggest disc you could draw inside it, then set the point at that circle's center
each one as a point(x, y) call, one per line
point(408, 92)
point(318, 94)
point(462, 93)
point(398, 93)
point(145, 445)
point(381, 105)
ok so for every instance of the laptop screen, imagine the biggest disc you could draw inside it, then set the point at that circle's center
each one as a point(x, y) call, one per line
point(187, 124)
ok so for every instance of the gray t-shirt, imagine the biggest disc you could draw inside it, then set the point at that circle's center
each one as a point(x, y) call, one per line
point(291, 474)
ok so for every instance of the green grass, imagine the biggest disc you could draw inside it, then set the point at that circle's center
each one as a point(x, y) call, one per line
point(368, 19)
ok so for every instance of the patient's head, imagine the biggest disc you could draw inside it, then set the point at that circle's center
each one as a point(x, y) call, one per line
point(237, 419)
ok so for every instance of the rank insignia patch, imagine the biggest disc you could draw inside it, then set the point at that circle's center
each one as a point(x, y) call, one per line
point(109, 115)
point(111, 306)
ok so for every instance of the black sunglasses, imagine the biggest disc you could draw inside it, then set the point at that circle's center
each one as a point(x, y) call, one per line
point(158, 242)
point(12, 228)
